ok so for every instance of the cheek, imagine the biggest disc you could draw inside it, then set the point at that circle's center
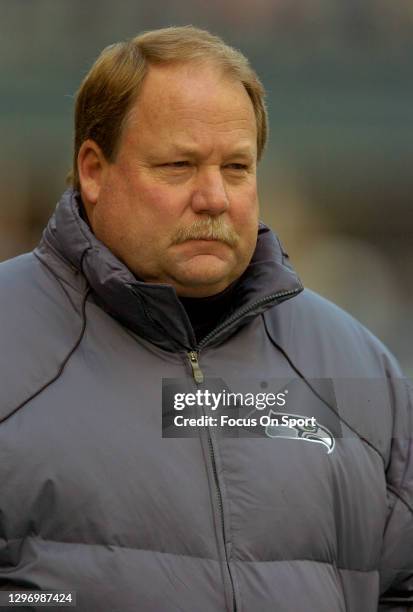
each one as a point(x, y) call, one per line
point(246, 221)
point(246, 207)
point(155, 200)
point(152, 204)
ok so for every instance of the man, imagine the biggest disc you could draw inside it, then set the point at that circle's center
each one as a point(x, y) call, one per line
point(154, 276)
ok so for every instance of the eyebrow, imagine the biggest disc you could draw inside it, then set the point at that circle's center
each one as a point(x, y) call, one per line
point(242, 151)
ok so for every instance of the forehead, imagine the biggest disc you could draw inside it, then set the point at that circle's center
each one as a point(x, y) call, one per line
point(191, 102)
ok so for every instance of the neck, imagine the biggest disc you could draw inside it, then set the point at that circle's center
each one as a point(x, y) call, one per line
point(206, 313)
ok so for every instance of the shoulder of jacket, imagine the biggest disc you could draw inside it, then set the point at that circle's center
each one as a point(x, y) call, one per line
point(330, 339)
point(11, 268)
point(40, 319)
point(339, 320)
point(325, 342)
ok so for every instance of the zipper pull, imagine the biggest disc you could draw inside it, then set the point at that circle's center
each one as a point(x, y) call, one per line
point(196, 370)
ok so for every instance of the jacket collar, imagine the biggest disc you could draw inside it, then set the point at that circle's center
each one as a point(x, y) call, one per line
point(154, 311)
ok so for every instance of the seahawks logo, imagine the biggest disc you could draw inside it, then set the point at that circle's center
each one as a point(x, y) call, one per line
point(295, 427)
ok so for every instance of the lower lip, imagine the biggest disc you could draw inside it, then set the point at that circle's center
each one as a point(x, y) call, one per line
point(204, 244)
point(206, 240)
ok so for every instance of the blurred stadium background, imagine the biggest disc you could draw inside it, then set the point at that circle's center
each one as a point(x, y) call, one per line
point(337, 179)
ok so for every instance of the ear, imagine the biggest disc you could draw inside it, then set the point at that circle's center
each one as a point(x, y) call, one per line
point(92, 165)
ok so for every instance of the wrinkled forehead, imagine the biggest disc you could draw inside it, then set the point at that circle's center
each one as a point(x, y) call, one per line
point(192, 98)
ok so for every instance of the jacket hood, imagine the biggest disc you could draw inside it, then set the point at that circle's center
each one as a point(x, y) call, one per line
point(154, 311)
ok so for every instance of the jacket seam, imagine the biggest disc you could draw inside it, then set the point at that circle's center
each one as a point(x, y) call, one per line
point(164, 552)
point(333, 410)
point(57, 278)
point(397, 490)
point(406, 466)
point(61, 366)
point(56, 253)
point(399, 498)
point(333, 565)
point(409, 428)
point(108, 545)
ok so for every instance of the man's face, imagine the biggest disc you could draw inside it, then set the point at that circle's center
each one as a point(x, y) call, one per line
point(179, 204)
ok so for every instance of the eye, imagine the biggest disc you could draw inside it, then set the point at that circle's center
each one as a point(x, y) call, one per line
point(177, 164)
point(237, 166)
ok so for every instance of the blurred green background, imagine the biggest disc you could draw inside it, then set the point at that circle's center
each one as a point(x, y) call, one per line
point(336, 182)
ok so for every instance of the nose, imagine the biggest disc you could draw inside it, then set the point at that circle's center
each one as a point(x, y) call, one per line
point(209, 195)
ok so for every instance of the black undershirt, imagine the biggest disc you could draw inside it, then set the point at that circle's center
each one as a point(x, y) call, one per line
point(206, 313)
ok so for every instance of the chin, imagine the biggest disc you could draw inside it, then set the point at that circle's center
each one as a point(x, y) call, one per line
point(204, 276)
point(201, 286)
point(198, 291)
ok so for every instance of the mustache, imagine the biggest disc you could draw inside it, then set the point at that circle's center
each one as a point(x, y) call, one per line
point(213, 228)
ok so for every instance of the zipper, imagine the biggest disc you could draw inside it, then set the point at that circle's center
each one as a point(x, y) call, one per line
point(196, 370)
point(193, 355)
point(198, 376)
point(199, 379)
point(221, 512)
point(242, 312)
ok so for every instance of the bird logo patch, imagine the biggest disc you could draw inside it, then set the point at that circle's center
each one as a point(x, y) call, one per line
point(298, 427)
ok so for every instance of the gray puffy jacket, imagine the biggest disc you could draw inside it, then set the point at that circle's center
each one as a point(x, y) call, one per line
point(93, 498)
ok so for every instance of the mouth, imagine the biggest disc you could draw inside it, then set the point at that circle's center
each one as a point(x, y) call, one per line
point(206, 239)
point(225, 236)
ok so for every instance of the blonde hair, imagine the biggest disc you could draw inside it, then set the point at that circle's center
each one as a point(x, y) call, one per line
point(113, 83)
